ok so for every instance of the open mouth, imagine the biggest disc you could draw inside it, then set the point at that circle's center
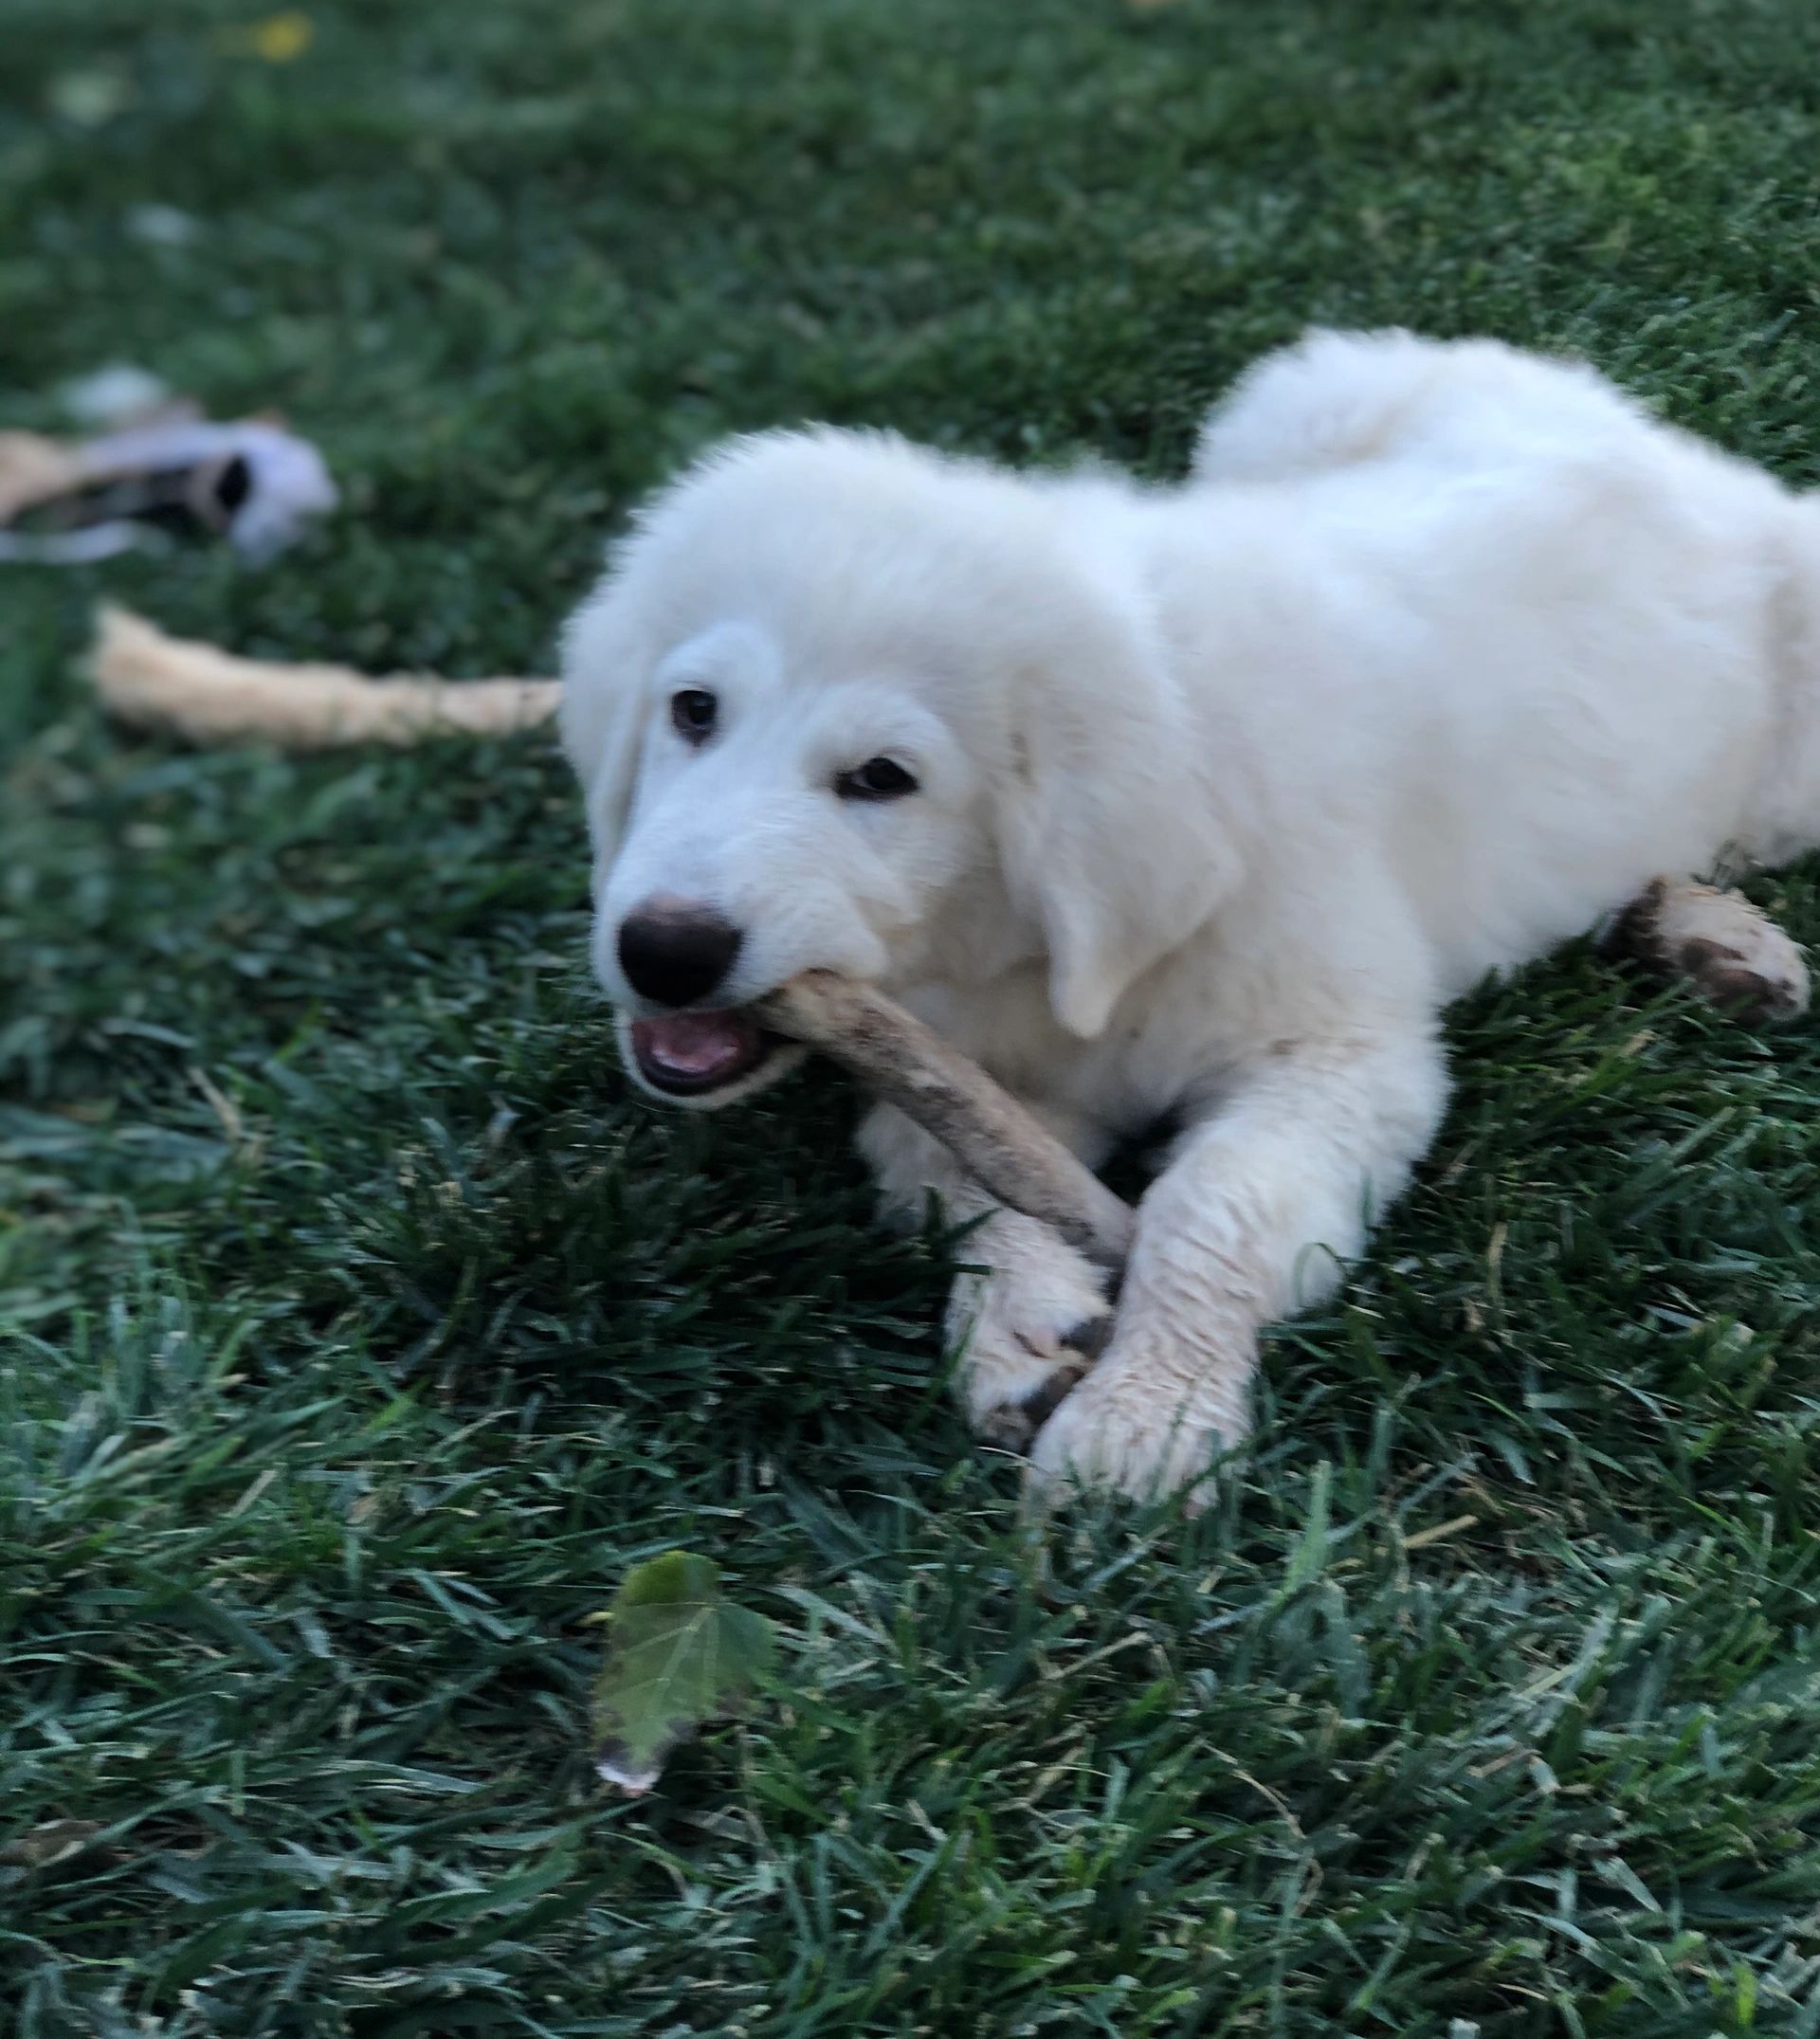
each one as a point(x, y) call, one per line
point(689, 1054)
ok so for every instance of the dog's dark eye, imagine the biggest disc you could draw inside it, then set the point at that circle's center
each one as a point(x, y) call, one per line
point(693, 713)
point(879, 778)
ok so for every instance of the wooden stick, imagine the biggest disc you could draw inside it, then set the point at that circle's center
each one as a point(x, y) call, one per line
point(992, 1137)
point(211, 695)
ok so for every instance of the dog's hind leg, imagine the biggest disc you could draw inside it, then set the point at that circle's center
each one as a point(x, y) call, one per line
point(1733, 953)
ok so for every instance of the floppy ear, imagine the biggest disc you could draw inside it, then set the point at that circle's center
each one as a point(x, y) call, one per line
point(1107, 832)
point(601, 712)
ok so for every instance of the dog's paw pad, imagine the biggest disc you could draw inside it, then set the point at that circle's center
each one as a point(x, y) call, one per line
point(1757, 988)
point(1732, 953)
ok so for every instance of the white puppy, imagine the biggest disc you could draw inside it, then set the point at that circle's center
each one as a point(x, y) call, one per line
point(1197, 802)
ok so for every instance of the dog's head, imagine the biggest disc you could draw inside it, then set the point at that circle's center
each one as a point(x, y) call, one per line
point(842, 704)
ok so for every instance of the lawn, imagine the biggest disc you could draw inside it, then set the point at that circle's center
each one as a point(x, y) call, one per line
point(358, 1330)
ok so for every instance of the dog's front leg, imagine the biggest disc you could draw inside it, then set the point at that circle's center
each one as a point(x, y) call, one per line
point(1028, 1313)
point(1260, 1207)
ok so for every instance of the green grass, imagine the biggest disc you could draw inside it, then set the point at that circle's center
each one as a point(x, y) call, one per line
point(358, 1330)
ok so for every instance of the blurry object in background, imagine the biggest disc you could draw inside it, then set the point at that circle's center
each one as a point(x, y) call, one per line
point(280, 38)
point(162, 469)
point(211, 695)
point(82, 547)
point(254, 481)
point(33, 470)
point(110, 398)
point(162, 225)
point(89, 98)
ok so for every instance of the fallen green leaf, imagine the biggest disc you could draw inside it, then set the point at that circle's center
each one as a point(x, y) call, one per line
point(678, 1654)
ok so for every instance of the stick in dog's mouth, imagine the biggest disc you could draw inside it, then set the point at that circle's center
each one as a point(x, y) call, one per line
point(993, 1137)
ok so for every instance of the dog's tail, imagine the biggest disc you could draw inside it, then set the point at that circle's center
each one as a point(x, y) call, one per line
point(1337, 400)
point(1329, 401)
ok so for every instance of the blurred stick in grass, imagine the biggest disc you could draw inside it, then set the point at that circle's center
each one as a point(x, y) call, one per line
point(210, 696)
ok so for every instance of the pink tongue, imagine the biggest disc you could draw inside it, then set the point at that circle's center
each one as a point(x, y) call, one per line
point(695, 1044)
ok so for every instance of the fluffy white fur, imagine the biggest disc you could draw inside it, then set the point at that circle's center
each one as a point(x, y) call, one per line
point(1442, 652)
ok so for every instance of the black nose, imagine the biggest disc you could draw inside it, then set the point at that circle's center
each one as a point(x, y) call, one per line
point(675, 951)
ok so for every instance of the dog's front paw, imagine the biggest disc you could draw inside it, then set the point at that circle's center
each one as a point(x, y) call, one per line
point(1139, 1428)
point(1028, 1331)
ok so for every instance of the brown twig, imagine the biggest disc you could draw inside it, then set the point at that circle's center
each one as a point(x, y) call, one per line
point(992, 1137)
point(211, 695)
